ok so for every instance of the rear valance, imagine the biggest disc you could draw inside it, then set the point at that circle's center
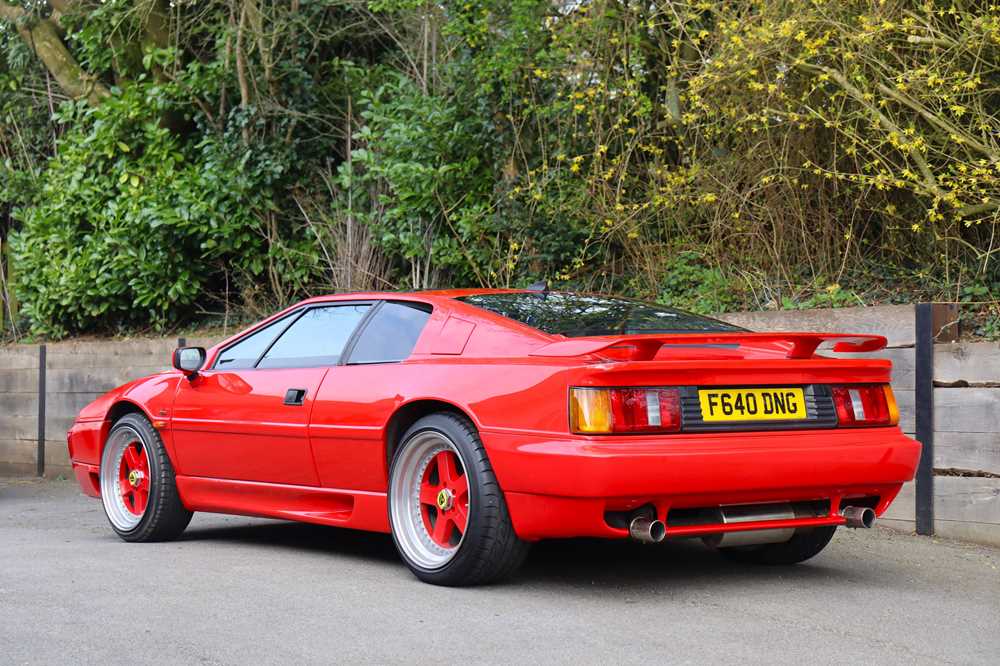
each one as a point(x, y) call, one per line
point(646, 347)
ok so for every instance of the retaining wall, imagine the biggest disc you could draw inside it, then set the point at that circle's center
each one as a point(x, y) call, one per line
point(76, 373)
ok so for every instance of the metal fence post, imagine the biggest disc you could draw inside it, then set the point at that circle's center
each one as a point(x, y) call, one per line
point(924, 399)
point(40, 464)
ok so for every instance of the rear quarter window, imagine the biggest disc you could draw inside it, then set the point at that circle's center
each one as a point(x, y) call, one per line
point(391, 333)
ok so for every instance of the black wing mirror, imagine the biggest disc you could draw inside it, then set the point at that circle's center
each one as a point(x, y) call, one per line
point(189, 360)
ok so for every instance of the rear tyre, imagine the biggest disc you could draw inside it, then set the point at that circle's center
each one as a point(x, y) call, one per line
point(448, 515)
point(805, 543)
point(137, 483)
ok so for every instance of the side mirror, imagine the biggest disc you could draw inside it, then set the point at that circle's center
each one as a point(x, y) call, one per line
point(189, 360)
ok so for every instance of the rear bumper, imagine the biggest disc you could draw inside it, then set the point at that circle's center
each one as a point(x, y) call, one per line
point(560, 487)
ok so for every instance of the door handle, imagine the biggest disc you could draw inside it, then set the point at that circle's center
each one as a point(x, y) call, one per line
point(294, 397)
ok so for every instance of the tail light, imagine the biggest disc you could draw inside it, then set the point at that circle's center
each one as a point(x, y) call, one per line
point(865, 405)
point(624, 410)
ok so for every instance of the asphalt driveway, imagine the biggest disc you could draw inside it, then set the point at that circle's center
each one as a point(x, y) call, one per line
point(246, 590)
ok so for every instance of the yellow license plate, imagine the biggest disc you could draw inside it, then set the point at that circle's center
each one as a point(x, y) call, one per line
point(757, 404)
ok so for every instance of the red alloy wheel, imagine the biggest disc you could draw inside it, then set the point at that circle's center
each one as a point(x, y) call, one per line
point(133, 478)
point(444, 499)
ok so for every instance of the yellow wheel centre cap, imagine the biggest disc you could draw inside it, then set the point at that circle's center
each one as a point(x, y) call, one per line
point(445, 499)
point(135, 476)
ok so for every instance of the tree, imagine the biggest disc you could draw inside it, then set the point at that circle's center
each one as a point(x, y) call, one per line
point(39, 26)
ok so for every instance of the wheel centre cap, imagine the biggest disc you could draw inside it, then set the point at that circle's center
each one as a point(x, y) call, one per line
point(445, 499)
point(134, 477)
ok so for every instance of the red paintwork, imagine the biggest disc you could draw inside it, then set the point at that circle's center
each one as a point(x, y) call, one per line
point(232, 425)
point(647, 347)
point(236, 448)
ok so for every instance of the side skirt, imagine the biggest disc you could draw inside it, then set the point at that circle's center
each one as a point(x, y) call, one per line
point(357, 509)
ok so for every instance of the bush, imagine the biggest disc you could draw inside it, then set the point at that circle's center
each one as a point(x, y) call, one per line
point(691, 283)
point(718, 156)
point(131, 225)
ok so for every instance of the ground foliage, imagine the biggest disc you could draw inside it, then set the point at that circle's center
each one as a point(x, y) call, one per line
point(166, 162)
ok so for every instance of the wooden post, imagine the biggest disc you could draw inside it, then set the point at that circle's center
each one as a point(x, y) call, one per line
point(40, 464)
point(924, 399)
point(3, 286)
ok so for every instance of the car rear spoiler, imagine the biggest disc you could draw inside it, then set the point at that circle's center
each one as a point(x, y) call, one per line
point(646, 347)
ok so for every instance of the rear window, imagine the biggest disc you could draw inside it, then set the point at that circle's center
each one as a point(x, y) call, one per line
point(578, 315)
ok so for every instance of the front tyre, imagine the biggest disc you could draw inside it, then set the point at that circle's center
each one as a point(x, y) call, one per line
point(137, 483)
point(804, 544)
point(448, 515)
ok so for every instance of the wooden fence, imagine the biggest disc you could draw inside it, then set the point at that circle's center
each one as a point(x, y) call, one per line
point(961, 486)
point(962, 406)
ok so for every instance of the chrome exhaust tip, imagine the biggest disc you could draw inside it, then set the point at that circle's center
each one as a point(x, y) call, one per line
point(647, 530)
point(859, 516)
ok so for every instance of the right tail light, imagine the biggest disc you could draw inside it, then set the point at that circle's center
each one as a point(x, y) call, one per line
point(860, 405)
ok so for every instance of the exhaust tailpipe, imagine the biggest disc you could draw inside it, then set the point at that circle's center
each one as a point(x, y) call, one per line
point(647, 530)
point(859, 516)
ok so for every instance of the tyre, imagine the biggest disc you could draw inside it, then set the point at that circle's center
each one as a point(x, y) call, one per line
point(448, 515)
point(805, 543)
point(137, 483)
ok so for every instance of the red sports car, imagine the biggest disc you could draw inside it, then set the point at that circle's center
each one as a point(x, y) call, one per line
point(471, 423)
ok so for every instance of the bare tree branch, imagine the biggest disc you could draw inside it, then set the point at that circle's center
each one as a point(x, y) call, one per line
point(42, 36)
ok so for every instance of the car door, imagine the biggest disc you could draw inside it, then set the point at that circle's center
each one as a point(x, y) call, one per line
point(357, 397)
point(247, 416)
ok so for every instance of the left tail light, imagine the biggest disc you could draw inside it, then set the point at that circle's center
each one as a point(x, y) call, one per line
point(611, 411)
point(865, 405)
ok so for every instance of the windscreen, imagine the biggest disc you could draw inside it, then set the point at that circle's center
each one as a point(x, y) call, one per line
point(578, 315)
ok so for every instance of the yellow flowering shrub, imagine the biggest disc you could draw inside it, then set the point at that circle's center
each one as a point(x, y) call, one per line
point(790, 145)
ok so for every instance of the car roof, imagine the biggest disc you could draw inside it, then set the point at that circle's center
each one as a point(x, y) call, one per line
point(443, 297)
point(429, 294)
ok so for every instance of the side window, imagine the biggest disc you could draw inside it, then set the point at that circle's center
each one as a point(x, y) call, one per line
point(391, 333)
point(316, 338)
point(244, 354)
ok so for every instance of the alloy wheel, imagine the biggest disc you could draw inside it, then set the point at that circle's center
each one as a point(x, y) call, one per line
point(430, 499)
point(125, 478)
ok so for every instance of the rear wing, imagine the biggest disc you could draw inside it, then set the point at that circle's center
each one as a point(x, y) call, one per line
point(646, 347)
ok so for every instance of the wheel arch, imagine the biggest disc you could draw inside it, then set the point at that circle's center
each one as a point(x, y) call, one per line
point(122, 407)
point(118, 409)
point(408, 414)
